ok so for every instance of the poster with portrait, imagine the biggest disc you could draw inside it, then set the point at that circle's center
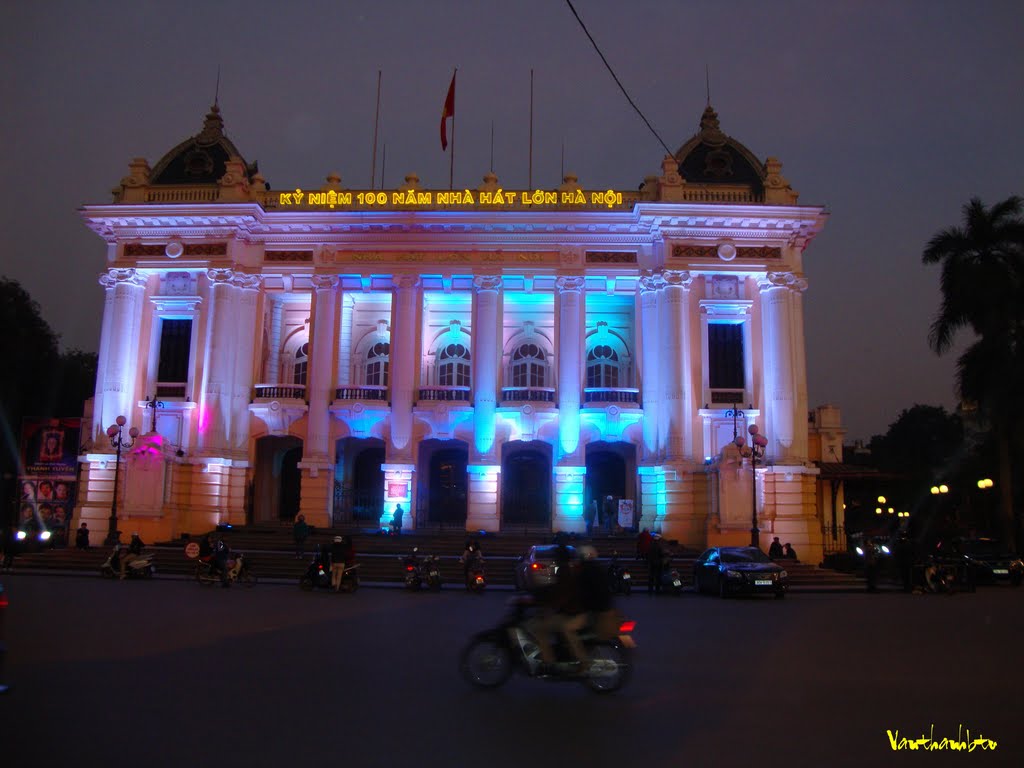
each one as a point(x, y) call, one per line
point(49, 460)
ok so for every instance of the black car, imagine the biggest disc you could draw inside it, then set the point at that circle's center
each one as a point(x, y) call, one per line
point(729, 571)
point(988, 562)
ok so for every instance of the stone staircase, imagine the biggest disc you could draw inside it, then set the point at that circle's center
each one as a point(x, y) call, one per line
point(272, 555)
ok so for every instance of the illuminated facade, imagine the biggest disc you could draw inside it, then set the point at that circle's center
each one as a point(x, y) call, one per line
point(488, 359)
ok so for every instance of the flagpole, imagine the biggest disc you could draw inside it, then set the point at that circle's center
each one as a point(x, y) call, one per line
point(383, 164)
point(376, 123)
point(451, 161)
point(529, 184)
point(491, 169)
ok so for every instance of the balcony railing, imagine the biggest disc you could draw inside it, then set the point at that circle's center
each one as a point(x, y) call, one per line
point(445, 393)
point(367, 392)
point(280, 391)
point(611, 395)
point(171, 389)
point(726, 396)
point(528, 394)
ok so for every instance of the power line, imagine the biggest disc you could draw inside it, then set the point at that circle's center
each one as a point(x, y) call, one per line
point(616, 79)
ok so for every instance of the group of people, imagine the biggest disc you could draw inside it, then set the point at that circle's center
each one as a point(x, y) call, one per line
point(122, 555)
point(216, 555)
point(779, 551)
point(651, 547)
point(601, 515)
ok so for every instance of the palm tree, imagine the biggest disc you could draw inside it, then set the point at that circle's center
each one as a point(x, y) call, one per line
point(982, 287)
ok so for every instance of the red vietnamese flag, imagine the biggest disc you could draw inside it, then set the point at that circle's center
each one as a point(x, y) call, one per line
point(448, 111)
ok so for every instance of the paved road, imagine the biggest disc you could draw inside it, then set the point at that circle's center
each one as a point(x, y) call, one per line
point(166, 673)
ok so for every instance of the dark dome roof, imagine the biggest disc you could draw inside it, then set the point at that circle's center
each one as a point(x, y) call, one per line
point(201, 159)
point(711, 157)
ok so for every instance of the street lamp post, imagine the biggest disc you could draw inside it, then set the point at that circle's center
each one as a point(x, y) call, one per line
point(758, 443)
point(154, 404)
point(116, 434)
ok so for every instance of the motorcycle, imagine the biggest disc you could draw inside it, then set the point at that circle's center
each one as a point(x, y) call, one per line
point(939, 578)
point(491, 656)
point(413, 568)
point(238, 572)
point(620, 581)
point(141, 567)
point(475, 579)
point(318, 576)
point(432, 567)
point(670, 578)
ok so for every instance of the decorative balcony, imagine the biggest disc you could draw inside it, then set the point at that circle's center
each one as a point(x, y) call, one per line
point(727, 396)
point(280, 392)
point(528, 394)
point(446, 394)
point(171, 389)
point(367, 392)
point(602, 395)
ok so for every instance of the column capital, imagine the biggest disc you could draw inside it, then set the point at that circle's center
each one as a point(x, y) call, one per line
point(325, 282)
point(247, 282)
point(789, 280)
point(114, 276)
point(651, 281)
point(220, 276)
point(676, 278)
point(405, 281)
point(487, 282)
point(569, 283)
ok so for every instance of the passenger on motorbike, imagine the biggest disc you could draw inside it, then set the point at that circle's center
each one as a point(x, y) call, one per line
point(561, 611)
point(219, 561)
point(471, 559)
point(337, 562)
point(205, 549)
point(134, 550)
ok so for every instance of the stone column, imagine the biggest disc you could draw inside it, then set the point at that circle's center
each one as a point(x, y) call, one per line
point(274, 363)
point(247, 337)
point(650, 334)
point(485, 365)
point(400, 467)
point(119, 347)
point(317, 496)
point(674, 362)
point(782, 420)
point(219, 365)
point(570, 341)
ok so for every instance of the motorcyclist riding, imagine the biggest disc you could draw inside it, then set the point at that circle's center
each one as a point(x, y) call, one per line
point(561, 611)
point(471, 558)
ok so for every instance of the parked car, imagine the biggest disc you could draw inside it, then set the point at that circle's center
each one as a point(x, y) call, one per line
point(988, 562)
point(729, 571)
point(537, 568)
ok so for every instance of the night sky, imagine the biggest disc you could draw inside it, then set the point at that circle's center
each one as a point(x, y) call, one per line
point(892, 114)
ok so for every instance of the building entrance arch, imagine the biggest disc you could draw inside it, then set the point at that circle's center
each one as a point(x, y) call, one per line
point(443, 488)
point(358, 480)
point(526, 485)
point(277, 482)
point(611, 471)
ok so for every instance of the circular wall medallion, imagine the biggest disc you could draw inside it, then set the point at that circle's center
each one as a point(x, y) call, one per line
point(173, 249)
point(726, 251)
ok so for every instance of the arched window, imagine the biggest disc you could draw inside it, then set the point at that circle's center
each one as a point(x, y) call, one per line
point(377, 358)
point(301, 367)
point(529, 366)
point(602, 367)
point(453, 366)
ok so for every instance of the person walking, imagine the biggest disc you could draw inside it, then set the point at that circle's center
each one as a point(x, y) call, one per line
point(655, 565)
point(337, 562)
point(300, 532)
point(589, 515)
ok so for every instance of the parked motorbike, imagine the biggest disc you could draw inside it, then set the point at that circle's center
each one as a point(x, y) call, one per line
point(620, 581)
point(431, 566)
point(476, 581)
point(413, 568)
point(141, 567)
point(939, 578)
point(318, 576)
point(670, 578)
point(491, 656)
point(239, 571)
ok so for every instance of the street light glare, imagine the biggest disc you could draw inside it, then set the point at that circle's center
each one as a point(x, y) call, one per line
point(881, 499)
point(943, 489)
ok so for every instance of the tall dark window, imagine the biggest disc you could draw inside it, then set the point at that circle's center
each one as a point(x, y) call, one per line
point(377, 359)
point(725, 356)
point(528, 366)
point(602, 367)
point(301, 364)
point(175, 345)
point(453, 368)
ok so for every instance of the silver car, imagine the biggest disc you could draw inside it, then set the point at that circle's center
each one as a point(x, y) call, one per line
point(537, 568)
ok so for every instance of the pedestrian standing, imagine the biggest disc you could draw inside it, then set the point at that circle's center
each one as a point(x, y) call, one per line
point(589, 515)
point(300, 532)
point(608, 513)
point(655, 565)
point(337, 562)
point(82, 537)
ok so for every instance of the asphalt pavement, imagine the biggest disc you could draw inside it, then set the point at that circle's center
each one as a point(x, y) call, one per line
point(168, 673)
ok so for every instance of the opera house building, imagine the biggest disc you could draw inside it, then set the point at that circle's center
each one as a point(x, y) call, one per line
point(489, 359)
